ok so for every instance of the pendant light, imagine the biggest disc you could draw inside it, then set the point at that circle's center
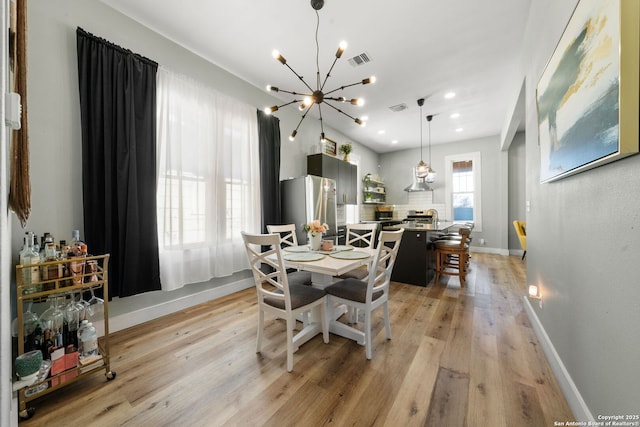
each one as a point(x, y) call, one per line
point(431, 174)
point(422, 169)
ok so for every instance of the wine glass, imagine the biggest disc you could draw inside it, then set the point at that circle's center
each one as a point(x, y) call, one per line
point(96, 307)
point(29, 320)
point(52, 320)
point(72, 312)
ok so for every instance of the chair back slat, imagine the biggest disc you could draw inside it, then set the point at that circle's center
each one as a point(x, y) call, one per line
point(286, 232)
point(275, 274)
point(383, 262)
point(361, 233)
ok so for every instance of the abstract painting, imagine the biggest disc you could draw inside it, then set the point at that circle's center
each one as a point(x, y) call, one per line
point(579, 102)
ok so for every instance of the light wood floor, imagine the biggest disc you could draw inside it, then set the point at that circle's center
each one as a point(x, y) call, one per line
point(458, 357)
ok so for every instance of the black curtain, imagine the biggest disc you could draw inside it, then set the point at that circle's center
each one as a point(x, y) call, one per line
point(118, 116)
point(269, 137)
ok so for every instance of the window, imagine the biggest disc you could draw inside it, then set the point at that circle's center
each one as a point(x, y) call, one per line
point(463, 189)
point(208, 181)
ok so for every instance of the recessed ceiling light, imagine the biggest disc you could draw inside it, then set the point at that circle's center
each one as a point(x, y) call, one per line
point(459, 130)
point(381, 132)
point(449, 95)
point(394, 142)
point(455, 115)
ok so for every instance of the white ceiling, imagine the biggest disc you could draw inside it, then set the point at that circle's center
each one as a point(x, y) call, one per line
point(418, 49)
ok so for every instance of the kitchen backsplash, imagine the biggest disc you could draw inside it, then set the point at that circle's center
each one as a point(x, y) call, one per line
point(417, 201)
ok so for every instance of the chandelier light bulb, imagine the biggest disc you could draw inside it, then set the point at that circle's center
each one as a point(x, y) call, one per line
point(341, 48)
point(293, 135)
point(269, 110)
point(276, 55)
point(357, 101)
point(272, 88)
point(368, 80)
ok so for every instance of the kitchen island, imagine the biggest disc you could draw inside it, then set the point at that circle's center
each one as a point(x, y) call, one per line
point(416, 259)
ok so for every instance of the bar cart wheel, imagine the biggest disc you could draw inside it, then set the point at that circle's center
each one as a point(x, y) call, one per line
point(111, 375)
point(28, 413)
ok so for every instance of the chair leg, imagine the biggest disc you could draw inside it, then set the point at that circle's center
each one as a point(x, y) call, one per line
point(523, 255)
point(387, 324)
point(367, 333)
point(260, 330)
point(462, 269)
point(290, 325)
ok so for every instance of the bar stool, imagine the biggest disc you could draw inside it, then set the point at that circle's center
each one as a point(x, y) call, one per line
point(452, 256)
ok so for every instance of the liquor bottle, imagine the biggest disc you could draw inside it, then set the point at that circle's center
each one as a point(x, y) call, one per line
point(61, 256)
point(87, 339)
point(25, 259)
point(35, 259)
point(76, 243)
point(50, 272)
point(29, 257)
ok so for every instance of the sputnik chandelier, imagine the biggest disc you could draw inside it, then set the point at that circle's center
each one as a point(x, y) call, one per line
point(317, 96)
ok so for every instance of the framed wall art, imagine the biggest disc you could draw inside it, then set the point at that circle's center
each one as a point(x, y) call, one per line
point(587, 97)
point(330, 147)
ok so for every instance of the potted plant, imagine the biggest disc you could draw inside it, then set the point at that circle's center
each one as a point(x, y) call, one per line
point(346, 150)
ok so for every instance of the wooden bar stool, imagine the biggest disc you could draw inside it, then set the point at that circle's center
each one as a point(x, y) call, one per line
point(452, 256)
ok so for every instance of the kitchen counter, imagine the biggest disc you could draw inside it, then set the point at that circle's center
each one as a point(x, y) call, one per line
point(416, 259)
point(440, 226)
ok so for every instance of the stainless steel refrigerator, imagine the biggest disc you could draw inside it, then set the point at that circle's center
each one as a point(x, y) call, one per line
point(307, 198)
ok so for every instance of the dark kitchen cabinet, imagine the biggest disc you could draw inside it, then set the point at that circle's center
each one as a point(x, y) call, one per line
point(415, 263)
point(344, 173)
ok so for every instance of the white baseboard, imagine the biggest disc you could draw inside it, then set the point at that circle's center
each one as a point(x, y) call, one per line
point(577, 404)
point(127, 320)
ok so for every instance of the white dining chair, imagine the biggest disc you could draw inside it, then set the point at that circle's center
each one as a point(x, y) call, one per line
point(370, 294)
point(279, 298)
point(360, 235)
point(287, 233)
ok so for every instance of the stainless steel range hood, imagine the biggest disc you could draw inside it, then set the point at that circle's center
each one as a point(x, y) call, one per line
point(419, 184)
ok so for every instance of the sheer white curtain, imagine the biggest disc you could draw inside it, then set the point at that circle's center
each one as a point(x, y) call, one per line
point(208, 180)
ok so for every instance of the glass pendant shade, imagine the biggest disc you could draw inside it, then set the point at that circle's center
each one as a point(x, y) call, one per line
point(431, 175)
point(422, 170)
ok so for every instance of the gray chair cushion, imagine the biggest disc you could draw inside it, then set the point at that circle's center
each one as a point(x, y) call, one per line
point(359, 273)
point(301, 295)
point(300, 278)
point(352, 290)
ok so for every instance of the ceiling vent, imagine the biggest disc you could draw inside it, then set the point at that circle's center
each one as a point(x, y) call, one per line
point(361, 59)
point(398, 107)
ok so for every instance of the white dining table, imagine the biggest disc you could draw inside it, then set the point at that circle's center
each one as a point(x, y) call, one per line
point(323, 274)
point(324, 271)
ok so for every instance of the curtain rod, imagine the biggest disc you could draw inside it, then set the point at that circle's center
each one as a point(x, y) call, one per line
point(80, 31)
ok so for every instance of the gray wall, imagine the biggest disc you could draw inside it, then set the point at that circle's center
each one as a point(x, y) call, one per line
point(583, 246)
point(396, 167)
point(517, 186)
